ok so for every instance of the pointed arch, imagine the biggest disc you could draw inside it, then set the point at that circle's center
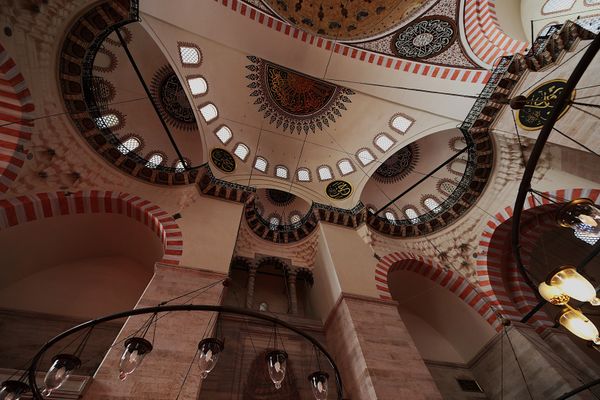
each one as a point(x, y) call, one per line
point(448, 279)
point(23, 209)
point(521, 299)
point(16, 120)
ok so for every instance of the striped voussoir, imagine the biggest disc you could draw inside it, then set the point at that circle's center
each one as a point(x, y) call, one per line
point(434, 71)
point(22, 209)
point(16, 113)
point(485, 37)
point(450, 280)
point(490, 265)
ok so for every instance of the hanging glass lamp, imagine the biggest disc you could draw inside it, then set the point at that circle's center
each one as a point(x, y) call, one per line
point(136, 348)
point(581, 215)
point(573, 284)
point(209, 349)
point(276, 364)
point(318, 383)
point(12, 390)
point(60, 370)
point(553, 294)
point(579, 325)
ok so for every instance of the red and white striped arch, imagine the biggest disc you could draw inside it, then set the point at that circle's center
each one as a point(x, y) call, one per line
point(23, 209)
point(485, 37)
point(492, 247)
point(450, 280)
point(434, 71)
point(16, 112)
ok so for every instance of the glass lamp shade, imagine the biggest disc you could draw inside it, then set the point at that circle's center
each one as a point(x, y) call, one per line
point(318, 383)
point(573, 284)
point(136, 349)
point(62, 366)
point(209, 349)
point(579, 325)
point(581, 215)
point(276, 364)
point(553, 294)
point(12, 390)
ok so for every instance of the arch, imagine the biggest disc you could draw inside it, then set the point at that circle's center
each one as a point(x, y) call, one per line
point(450, 280)
point(22, 209)
point(489, 267)
point(484, 35)
point(16, 124)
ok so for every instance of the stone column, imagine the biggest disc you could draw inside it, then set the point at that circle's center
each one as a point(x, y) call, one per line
point(291, 277)
point(250, 289)
point(375, 353)
point(177, 335)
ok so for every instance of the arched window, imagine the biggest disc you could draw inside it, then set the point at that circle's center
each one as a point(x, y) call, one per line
point(325, 173)
point(365, 157)
point(555, 6)
point(383, 142)
point(107, 121)
point(281, 172)
point(390, 216)
point(261, 164)
point(401, 123)
point(189, 54)
point(274, 221)
point(209, 112)
point(241, 151)
point(180, 166)
point(431, 203)
point(295, 218)
point(411, 213)
point(457, 166)
point(446, 186)
point(303, 175)
point(345, 166)
point(224, 134)
point(198, 85)
point(589, 239)
point(154, 160)
point(129, 145)
point(457, 143)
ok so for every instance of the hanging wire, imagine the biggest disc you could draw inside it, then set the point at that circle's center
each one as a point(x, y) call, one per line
point(518, 364)
point(187, 374)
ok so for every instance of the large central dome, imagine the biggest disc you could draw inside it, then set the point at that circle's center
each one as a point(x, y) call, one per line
point(345, 20)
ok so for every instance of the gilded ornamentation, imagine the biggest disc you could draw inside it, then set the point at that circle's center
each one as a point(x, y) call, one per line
point(294, 101)
point(540, 103)
point(425, 38)
point(345, 20)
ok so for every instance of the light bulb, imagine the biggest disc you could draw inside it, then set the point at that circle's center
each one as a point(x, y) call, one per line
point(136, 349)
point(60, 370)
point(575, 285)
point(12, 390)
point(579, 325)
point(209, 351)
point(553, 294)
point(318, 383)
point(276, 365)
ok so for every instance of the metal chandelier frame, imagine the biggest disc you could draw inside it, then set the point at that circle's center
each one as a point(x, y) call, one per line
point(525, 186)
point(36, 393)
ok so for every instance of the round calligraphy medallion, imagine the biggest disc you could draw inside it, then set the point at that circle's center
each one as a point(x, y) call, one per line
point(540, 103)
point(339, 190)
point(222, 160)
